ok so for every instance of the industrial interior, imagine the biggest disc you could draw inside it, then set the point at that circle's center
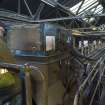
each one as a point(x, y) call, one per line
point(52, 52)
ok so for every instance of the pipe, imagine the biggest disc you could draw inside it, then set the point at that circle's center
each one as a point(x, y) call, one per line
point(82, 86)
point(76, 99)
point(97, 85)
point(28, 87)
point(102, 98)
point(39, 80)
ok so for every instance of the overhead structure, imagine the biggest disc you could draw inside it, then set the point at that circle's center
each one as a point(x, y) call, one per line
point(35, 9)
point(78, 12)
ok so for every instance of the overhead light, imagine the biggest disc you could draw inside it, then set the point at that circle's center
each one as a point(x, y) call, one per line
point(75, 32)
point(49, 2)
point(3, 71)
point(94, 28)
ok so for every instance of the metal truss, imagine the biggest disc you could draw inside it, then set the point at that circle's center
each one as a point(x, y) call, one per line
point(33, 18)
point(37, 13)
point(32, 15)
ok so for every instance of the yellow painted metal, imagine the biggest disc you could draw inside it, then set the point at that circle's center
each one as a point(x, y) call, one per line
point(6, 80)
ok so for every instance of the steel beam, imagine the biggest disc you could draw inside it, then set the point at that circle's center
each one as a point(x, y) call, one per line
point(38, 12)
point(80, 7)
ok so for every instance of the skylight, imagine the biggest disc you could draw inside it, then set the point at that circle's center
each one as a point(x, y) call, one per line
point(92, 6)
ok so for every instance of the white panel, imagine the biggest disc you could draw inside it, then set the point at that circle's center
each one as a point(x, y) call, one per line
point(50, 43)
